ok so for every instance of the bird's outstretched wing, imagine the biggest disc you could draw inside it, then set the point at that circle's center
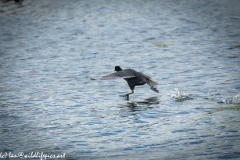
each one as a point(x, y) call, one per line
point(120, 74)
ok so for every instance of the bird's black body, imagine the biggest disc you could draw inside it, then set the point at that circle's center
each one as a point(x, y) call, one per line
point(135, 81)
point(132, 77)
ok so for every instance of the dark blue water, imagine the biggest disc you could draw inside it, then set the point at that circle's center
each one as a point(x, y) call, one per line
point(49, 50)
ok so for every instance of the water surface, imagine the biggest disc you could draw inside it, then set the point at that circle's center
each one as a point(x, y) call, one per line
point(49, 50)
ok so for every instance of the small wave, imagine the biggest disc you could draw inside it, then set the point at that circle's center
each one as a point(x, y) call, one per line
point(179, 96)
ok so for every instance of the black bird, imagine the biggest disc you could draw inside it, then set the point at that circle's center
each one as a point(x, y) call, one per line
point(133, 78)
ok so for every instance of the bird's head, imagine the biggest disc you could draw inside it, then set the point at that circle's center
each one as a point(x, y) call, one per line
point(117, 68)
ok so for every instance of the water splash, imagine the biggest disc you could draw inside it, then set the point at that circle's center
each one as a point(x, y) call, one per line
point(234, 100)
point(179, 96)
point(222, 100)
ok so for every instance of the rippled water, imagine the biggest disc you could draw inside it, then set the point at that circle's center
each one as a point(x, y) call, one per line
point(49, 50)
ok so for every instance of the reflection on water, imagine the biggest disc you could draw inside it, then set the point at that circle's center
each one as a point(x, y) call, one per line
point(133, 106)
point(49, 50)
point(150, 100)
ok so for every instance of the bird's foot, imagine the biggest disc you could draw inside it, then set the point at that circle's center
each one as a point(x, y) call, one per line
point(126, 96)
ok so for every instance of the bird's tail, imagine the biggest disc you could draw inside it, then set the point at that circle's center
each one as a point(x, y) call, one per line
point(153, 85)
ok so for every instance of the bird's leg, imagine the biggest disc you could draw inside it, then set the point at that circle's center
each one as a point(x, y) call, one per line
point(127, 95)
point(130, 93)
